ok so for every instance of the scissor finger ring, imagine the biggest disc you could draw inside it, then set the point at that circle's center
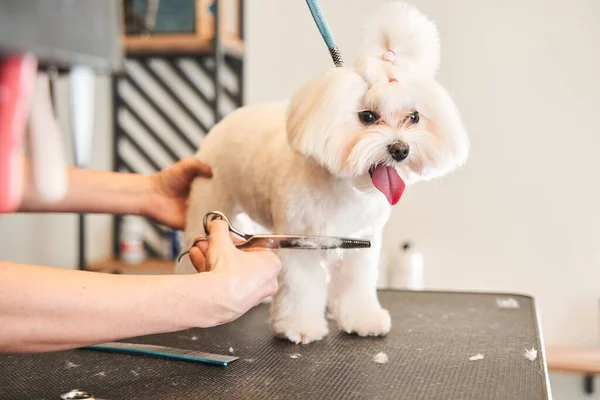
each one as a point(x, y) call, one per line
point(211, 216)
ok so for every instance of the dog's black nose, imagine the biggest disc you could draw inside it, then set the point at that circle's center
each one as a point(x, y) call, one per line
point(399, 151)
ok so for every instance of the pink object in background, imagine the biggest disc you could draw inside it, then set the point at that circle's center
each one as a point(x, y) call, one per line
point(17, 79)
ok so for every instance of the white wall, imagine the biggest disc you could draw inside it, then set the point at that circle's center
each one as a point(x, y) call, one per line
point(522, 215)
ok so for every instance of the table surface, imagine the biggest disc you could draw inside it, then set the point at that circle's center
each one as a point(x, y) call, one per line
point(433, 337)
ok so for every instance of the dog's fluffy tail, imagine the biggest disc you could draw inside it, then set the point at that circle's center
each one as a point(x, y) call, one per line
point(407, 32)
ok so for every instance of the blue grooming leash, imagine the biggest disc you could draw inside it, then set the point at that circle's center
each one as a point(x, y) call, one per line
point(317, 15)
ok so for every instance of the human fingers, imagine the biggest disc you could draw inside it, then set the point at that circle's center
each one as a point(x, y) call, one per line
point(191, 167)
point(272, 261)
point(198, 259)
point(219, 236)
point(203, 246)
point(271, 288)
point(268, 288)
point(265, 267)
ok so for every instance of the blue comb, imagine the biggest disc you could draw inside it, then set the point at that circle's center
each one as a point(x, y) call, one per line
point(165, 352)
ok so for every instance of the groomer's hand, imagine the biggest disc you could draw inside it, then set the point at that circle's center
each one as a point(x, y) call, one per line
point(240, 278)
point(170, 187)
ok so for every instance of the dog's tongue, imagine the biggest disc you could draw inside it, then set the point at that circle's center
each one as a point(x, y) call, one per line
point(388, 182)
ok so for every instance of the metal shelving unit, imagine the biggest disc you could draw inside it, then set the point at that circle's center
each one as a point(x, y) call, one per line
point(174, 88)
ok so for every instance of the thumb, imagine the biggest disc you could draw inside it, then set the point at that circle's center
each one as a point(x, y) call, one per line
point(191, 167)
point(219, 235)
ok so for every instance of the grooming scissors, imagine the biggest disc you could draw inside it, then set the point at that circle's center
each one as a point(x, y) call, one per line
point(280, 241)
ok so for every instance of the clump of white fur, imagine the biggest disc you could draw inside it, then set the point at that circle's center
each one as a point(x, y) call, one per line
point(477, 357)
point(381, 358)
point(322, 242)
point(410, 34)
point(71, 365)
point(508, 302)
point(530, 354)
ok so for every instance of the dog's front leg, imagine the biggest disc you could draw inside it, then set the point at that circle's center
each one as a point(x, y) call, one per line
point(298, 308)
point(353, 298)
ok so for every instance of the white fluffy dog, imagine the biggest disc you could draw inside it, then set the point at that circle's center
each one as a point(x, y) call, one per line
point(332, 162)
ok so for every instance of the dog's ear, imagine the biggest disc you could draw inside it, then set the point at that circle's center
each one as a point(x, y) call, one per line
point(412, 38)
point(320, 108)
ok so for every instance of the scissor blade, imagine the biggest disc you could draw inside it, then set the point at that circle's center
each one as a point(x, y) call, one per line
point(304, 242)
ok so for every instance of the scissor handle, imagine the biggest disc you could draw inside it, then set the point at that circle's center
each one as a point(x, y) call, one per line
point(213, 215)
point(208, 218)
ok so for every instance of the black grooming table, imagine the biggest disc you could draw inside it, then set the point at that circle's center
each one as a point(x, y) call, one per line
point(434, 335)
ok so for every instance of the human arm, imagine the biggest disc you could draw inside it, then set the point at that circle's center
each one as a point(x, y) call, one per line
point(49, 309)
point(161, 196)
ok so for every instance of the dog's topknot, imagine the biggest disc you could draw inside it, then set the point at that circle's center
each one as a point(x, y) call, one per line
point(402, 28)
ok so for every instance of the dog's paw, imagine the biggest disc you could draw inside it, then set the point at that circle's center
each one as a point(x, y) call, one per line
point(301, 331)
point(366, 322)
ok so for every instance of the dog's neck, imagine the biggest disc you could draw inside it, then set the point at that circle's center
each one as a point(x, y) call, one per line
point(319, 176)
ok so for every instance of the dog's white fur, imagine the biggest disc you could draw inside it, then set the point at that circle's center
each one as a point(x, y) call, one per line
point(303, 168)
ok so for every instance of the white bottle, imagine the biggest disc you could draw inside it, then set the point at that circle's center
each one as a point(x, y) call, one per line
point(131, 241)
point(407, 272)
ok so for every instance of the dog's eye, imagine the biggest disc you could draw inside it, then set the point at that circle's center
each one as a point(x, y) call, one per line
point(368, 117)
point(414, 117)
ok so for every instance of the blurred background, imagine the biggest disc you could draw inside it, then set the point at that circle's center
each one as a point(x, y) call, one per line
point(522, 215)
